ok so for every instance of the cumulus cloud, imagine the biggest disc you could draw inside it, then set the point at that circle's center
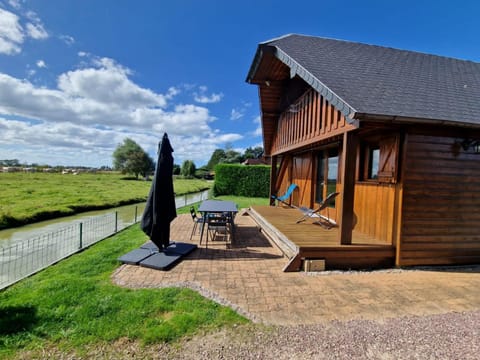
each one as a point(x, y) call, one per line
point(67, 39)
point(36, 31)
point(16, 4)
point(236, 114)
point(94, 108)
point(202, 97)
point(258, 130)
point(107, 84)
point(11, 33)
point(41, 64)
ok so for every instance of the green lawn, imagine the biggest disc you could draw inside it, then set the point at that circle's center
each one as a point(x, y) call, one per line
point(73, 306)
point(30, 197)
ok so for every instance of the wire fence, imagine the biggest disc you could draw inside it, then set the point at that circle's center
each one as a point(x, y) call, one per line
point(25, 258)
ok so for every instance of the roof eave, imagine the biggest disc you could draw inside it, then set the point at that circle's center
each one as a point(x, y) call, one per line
point(393, 119)
point(296, 69)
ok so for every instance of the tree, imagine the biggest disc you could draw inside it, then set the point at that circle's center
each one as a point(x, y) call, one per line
point(130, 158)
point(216, 158)
point(232, 157)
point(253, 153)
point(176, 169)
point(188, 169)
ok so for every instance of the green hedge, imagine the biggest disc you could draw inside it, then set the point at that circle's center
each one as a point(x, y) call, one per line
point(241, 180)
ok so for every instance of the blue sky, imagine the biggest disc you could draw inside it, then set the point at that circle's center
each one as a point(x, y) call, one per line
point(77, 77)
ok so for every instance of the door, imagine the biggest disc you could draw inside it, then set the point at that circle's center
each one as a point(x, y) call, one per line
point(302, 176)
point(326, 181)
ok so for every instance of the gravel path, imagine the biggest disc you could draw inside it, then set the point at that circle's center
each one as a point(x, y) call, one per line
point(448, 336)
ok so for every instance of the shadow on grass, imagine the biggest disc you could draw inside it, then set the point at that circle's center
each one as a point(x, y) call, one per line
point(14, 319)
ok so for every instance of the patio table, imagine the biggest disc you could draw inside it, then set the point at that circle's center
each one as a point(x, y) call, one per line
point(212, 207)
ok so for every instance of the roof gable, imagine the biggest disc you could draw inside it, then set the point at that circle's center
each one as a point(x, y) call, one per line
point(367, 80)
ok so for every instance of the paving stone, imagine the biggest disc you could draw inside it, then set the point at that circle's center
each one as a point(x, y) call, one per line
point(248, 275)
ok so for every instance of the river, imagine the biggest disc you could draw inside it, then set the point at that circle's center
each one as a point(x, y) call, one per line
point(126, 216)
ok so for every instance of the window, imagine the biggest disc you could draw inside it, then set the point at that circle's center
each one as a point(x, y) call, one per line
point(327, 174)
point(379, 159)
point(373, 162)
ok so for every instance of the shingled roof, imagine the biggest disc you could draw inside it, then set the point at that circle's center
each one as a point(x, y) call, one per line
point(372, 81)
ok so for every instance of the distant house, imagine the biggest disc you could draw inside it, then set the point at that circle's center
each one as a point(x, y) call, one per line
point(395, 132)
point(260, 161)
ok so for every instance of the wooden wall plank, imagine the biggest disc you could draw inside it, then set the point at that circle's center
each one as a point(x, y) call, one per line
point(441, 199)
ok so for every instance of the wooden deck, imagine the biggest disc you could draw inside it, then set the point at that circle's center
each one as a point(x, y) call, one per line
point(309, 241)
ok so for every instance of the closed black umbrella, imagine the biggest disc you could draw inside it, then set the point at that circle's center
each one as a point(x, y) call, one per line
point(160, 209)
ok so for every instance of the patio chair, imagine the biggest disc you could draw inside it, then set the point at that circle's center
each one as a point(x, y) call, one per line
point(196, 221)
point(285, 196)
point(218, 224)
point(323, 221)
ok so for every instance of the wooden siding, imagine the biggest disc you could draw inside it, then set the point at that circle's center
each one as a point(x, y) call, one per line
point(310, 119)
point(374, 206)
point(441, 203)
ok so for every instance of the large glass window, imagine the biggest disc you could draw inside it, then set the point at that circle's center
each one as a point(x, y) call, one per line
point(327, 174)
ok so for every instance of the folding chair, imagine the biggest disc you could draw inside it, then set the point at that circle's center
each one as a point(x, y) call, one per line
point(196, 221)
point(316, 212)
point(285, 196)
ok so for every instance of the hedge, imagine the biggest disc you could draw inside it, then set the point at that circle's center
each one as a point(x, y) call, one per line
point(242, 180)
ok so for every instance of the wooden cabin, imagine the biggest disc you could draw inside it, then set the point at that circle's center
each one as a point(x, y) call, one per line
point(395, 132)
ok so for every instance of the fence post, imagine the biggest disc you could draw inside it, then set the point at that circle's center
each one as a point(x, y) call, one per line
point(116, 221)
point(81, 236)
point(136, 212)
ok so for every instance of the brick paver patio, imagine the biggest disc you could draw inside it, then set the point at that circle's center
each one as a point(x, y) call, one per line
point(247, 275)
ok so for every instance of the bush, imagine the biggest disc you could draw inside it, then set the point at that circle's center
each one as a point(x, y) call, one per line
point(241, 180)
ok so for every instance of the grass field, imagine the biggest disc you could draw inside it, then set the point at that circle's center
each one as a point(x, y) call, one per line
point(73, 307)
point(30, 197)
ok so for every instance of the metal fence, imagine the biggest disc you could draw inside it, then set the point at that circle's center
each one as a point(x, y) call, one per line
point(23, 259)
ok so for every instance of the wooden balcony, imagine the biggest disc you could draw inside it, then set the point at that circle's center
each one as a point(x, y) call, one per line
point(309, 241)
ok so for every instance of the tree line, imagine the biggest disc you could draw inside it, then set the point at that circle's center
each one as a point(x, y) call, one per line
point(130, 158)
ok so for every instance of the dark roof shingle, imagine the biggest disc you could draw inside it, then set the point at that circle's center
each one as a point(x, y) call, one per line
point(377, 80)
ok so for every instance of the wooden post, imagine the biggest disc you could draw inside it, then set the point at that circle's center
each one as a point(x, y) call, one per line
point(81, 236)
point(347, 176)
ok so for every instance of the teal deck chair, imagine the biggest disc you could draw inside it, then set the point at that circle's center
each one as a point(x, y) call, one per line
point(285, 196)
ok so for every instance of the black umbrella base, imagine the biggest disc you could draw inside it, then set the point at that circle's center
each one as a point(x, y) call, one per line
point(149, 255)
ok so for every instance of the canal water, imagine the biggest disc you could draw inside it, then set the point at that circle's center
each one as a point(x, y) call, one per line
point(126, 216)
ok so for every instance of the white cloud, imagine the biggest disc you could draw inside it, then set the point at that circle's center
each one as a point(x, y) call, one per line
point(92, 110)
point(203, 98)
point(108, 84)
point(67, 39)
point(172, 92)
point(236, 114)
point(213, 98)
point(36, 31)
point(41, 64)
point(11, 33)
point(258, 130)
point(16, 4)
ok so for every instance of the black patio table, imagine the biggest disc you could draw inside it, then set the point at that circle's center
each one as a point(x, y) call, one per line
point(209, 207)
